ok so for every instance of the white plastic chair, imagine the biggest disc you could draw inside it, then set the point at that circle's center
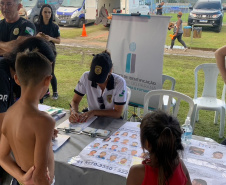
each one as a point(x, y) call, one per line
point(166, 98)
point(171, 94)
point(125, 109)
point(208, 100)
point(171, 79)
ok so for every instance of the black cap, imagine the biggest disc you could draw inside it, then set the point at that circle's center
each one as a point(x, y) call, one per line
point(100, 67)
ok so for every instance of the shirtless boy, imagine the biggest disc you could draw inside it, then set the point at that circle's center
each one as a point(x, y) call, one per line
point(26, 130)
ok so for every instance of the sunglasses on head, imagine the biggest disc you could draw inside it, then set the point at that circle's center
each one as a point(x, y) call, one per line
point(101, 101)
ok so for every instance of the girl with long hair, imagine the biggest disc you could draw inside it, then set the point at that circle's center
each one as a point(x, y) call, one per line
point(161, 136)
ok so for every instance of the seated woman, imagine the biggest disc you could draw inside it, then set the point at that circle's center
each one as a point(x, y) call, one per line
point(106, 92)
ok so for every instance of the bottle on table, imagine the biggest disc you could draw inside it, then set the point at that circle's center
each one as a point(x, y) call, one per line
point(187, 131)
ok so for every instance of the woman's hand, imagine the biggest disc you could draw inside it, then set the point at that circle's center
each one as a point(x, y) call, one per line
point(40, 34)
point(47, 37)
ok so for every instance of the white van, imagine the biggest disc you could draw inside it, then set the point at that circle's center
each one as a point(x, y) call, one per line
point(78, 12)
point(33, 8)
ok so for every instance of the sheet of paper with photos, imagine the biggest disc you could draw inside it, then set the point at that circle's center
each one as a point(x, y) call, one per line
point(206, 162)
point(114, 154)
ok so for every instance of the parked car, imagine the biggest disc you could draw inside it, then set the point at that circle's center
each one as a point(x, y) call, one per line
point(33, 8)
point(208, 13)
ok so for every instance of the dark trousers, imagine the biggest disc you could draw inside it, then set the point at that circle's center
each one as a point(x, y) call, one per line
point(224, 142)
point(54, 83)
point(53, 80)
point(15, 182)
point(179, 38)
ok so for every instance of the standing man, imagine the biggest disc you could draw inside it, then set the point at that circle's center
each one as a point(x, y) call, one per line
point(13, 28)
point(159, 8)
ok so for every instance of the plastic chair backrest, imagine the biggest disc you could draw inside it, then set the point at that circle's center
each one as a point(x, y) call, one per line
point(171, 94)
point(125, 108)
point(173, 81)
point(211, 72)
point(128, 97)
point(223, 93)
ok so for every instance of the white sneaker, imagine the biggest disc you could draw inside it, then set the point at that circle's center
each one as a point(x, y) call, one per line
point(170, 49)
point(185, 49)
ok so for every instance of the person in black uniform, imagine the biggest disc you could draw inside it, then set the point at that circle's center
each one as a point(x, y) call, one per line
point(13, 28)
point(159, 8)
point(8, 94)
point(50, 32)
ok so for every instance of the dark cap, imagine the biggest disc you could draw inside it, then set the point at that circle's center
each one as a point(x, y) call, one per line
point(100, 67)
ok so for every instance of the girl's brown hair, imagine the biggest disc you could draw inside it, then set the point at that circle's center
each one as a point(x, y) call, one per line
point(163, 134)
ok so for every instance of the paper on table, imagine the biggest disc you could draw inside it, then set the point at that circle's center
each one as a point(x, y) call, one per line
point(53, 110)
point(136, 160)
point(113, 154)
point(42, 107)
point(78, 126)
point(59, 141)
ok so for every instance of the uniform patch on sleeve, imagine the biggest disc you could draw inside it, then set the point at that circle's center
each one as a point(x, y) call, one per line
point(30, 31)
point(122, 93)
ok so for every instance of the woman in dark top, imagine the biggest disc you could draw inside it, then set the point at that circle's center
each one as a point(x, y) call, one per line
point(46, 29)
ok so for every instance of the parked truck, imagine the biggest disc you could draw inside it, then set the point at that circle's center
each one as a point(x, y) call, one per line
point(78, 12)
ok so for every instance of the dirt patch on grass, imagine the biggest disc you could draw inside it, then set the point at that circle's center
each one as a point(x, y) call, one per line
point(99, 39)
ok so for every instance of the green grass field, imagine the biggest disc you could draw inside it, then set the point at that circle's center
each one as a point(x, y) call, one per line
point(209, 39)
point(72, 62)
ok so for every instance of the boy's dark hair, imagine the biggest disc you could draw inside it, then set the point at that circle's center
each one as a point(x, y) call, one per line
point(106, 51)
point(32, 67)
point(31, 43)
point(163, 134)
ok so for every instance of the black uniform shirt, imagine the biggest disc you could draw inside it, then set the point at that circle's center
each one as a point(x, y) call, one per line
point(11, 31)
point(159, 11)
point(6, 87)
point(50, 29)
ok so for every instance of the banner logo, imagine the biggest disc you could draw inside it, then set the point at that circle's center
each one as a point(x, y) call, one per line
point(131, 58)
